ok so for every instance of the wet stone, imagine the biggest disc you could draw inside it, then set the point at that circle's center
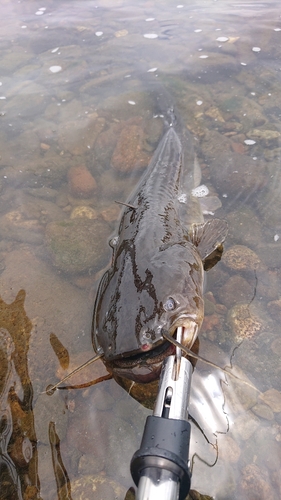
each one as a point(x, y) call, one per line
point(79, 136)
point(81, 183)
point(255, 484)
point(90, 464)
point(267, 137)
point(236, 289)
point(263, 411)
point(236, 175)
point(239, 396)
point(31, 101)
point(241, 258)
point(243, 322)
point(83, 212)
point(46, 193)
point(276, 347)
point(99, 487)
point(229, 450)
point(274, 308)
point(245, 425)
point(14, 226)
point(244, 227)
point(272, 398)
point(270, 253)
point(78, 245)
point(129, 152)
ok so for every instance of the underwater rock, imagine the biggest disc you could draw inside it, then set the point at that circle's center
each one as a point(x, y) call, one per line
point(81, 183)
point(229, 450)
point(255, 484)
point(241, 258)
point(82, 212)
point(235, 290)
point(106, 143)
point(44, 192)
point(245, 425)
point(77, 245)
point(100, 487)
point(237, 175)
point(272, 398)
point(263, 411)
point(239, 396)
point(243, 323)
point(14, 226)
point(270, 254)
point(79, 136)
point(244, 227)
point(267, 137)
point(129, 151)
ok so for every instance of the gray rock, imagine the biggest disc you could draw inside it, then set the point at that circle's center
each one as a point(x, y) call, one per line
point(263, 411)
point(78, 245)
point(245, 425)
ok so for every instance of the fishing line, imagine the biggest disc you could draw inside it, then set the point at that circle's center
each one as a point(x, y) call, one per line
point(51, 388)
point(187, 351)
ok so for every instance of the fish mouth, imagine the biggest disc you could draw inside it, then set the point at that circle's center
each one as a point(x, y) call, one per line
point(146, 366)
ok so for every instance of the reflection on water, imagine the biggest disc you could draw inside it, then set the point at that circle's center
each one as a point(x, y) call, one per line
point(77, 129)
point(19, 477)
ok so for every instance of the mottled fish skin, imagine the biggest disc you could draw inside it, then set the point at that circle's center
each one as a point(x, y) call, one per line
point(156, 278)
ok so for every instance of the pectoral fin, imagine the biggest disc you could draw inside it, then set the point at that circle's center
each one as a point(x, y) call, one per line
point(208, 239)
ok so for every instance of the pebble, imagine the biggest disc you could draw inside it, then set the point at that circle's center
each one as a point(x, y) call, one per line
point(83, 212)
point(78, 245)
point(228, 449)
point(99, 487)
point(274, 308)
point(266, 136)
point(241, 258)
point(81, 183)
point(236, 289)
point(245, 425)
point(255, 484)
point(243, 323)
point(128, 153)
point(271, 254)
point(263, 411)
point(272, 398)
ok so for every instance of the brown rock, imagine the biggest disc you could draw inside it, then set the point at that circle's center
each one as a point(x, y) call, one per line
point(235, 290)
point(129, 152)
point(81, 182)
point(89, 486)
point(237, 147)
point(241, 258)
point(272, 398)
point(274, 308)
point(229, 450)
point(254, 484)
point(237, 175)
point(276, 346)
point(243, 323)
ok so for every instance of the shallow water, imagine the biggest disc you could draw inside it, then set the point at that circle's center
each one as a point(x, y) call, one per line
point(76, 80)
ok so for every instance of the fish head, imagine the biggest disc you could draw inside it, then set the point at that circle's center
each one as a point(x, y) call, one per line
point(138, 301)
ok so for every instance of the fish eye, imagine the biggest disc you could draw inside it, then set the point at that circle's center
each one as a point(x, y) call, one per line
point(170, 304)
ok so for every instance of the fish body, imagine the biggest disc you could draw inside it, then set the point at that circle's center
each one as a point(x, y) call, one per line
point(155, 282)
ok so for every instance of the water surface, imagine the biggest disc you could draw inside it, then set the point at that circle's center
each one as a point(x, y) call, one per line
point(76, 102)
